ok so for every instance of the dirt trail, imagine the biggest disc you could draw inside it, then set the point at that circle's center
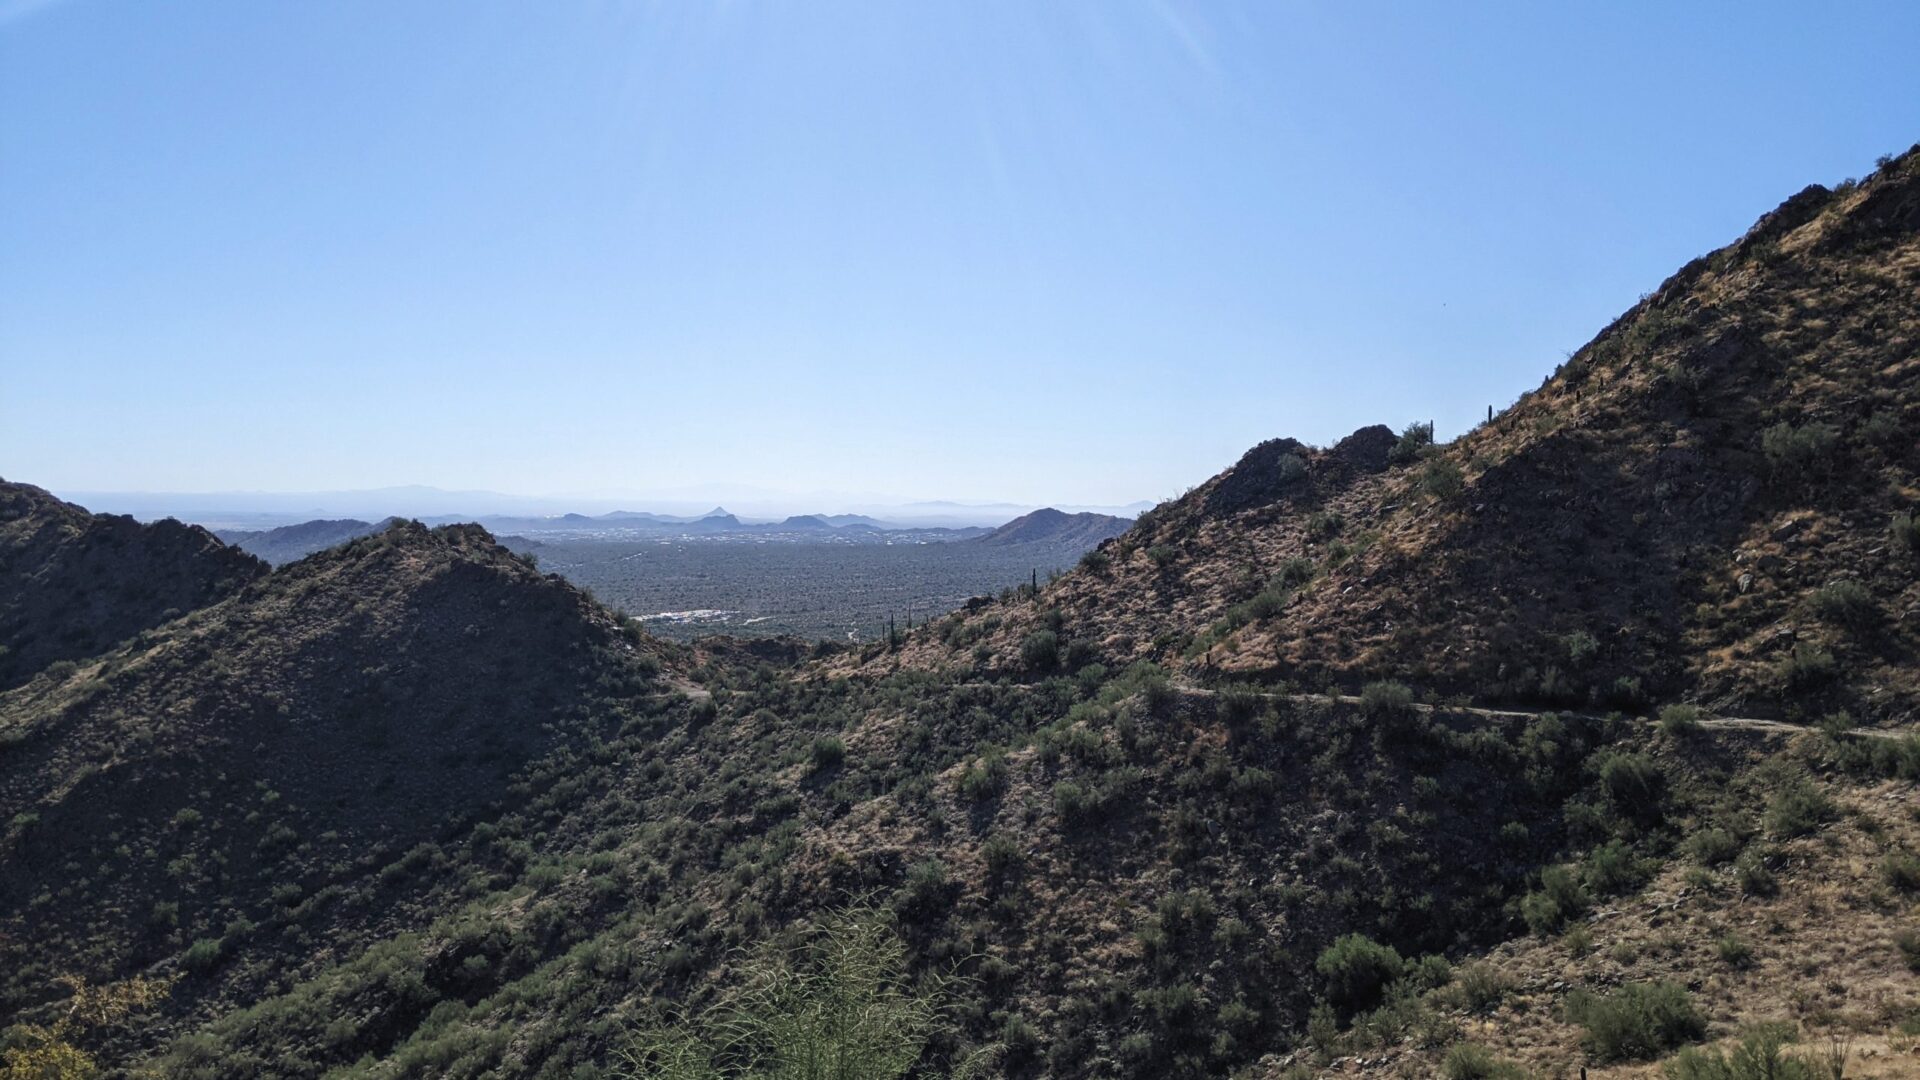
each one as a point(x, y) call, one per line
point(1722, 723)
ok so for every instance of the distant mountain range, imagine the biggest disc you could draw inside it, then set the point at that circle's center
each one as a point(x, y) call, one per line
point(257, 511)
point(288, 543)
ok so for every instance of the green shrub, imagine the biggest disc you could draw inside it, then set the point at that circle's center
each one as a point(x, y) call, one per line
point(1753, 876)
point(828, 751)
point(1003, 855)
point(985, 777)
point(1796, 810)
point(1800, 455)
point(1634, 783)
point(1415, 439)
point(1358, 970)
point(1845, 603)
point(1469, 1061)
point(1734, 951)
point(1040, 650)
point(1385, 697)
point(1559, 898)
point(1757, 1057)
point(201, 956)
point(1712, 847)
point(1807, 666)
point(1638, 1022)
point(1907, 941)
point(1581, 647)
point(1901, 872)
point(1679, 721)
point(1440, 479)
point(1905, 532)
point(1096, 562)
point(1483, 987)
point(1162, 555)
point(1324, 525)
point(1613, 868)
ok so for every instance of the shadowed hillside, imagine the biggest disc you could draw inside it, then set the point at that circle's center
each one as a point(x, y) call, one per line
point(73, 584)
point(353, 704)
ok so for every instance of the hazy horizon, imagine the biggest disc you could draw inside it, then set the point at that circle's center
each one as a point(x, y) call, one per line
point(1080, 255)
point(254, 509)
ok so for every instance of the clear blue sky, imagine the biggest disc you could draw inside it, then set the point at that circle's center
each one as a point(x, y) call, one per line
point(1076, 252)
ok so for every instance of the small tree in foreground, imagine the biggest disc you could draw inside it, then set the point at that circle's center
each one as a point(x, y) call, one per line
point(839, 1007)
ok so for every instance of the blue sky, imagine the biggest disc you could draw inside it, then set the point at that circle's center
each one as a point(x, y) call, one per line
point(1075, 252)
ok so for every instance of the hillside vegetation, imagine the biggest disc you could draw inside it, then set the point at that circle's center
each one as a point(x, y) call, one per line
point(1583, 741)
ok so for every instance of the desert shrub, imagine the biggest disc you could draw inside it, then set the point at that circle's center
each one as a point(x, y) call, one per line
point(1385, 697)
point(1324, 524)
point(1637, 1022)
point(201, 956)
point(1290, 468)
point(1040, 650)
point(1416, 438)
point(1581, 647)
point(1713, 846)
point(985, 777)
point(1844, 603)
point(828, 751)
point(1470, 1061)
point(1679, 721)
point(1003, 855)
point(1440, 479)
point(1907, 943)
point(1613, 868)
point(1796, 809)
point(1074, 801)
point(1905, 532)
point(842, 1005)
point(1753, 875)
point(1882, 429)
point(1162, 555)
point(1633, 782)
point(1560, 897)
point(1734, 951)
point(1799, 455)
point(1758, 1056)
point(1808, 665)
point(1483, 987)
point(1358, 970)
point(1294, 573)
point(1096, 562)
point(1901, 872)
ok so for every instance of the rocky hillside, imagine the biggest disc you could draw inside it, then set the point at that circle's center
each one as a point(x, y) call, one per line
point(73, 584)
point(1050, 526)
point(1712, 500)
point(290, 542)
point(230, 765)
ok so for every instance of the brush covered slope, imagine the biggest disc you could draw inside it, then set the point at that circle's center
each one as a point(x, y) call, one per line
point(1712, 498)
point(73, 584)
point(278, 746)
